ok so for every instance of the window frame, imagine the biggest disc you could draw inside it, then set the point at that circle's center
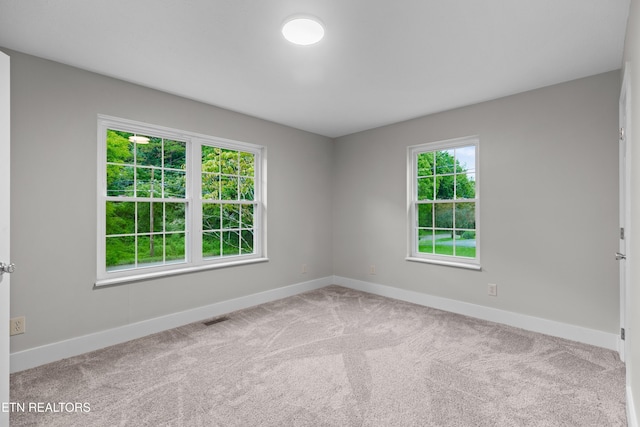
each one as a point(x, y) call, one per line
point(194, 260)
point(412, 200)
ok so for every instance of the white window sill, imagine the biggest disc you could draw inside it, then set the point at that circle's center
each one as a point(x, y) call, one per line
point(136, 277)
point(456, 264)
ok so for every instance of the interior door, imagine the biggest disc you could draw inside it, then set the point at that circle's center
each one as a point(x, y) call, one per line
point(624, 208)
point(4, 234)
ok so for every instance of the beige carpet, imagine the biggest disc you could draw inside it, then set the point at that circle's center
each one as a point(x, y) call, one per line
point(332, 357)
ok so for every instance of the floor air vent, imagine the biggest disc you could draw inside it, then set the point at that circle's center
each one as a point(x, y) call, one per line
point(214, 321)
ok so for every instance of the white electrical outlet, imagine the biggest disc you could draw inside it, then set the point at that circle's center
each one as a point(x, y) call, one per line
point(303, 270)
point(17, 325)
point(492, 289)
point(372, 270)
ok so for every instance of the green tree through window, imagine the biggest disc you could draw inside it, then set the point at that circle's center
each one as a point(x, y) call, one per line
point(145, 210)
point(444, 200)
point(228, 202)
point(173, 201)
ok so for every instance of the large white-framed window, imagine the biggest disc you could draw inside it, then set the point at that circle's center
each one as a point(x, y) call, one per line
point(172, 201)
point(443, 202)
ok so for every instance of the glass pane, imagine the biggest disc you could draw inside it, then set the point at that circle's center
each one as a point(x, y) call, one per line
point(228, 188)
point(466, 159)
point(120, 181)
point(465, 215)
point(229, 162)
point(148, 182)
point(210, 186)
point(120, 217)
point(175, 184)
point(445, 161)
point(144, 222)
point(230, 216)
point(120, 252)
point(119, 148)
point(466, 186)
point(150, 217)
point(157, 215)
point(247, 164)
point(466, 243)
point(246, 243)
point(425, 164)
point(211, 216)
point(231, 243)
point(425, 188)
point(247, 216)
point(425, 215)
point(246, 188)
point(149, 154)
point(175, 154)
point(150, 249)
point(444, 187)
point(175, 247)
point(444, 215)
point(210, 159)
point(211, 244)
point(443, 242)
point(175, 216)
point(425, 241)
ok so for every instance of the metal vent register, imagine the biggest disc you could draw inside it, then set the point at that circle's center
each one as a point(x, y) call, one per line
point(214, 321)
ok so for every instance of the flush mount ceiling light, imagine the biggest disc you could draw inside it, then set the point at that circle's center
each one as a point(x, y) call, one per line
point(303, 30)
point(139, 139)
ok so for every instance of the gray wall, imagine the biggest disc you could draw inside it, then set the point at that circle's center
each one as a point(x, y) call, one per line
point(548, 212)
point(632, 55)
point(54, 153)
point(549, 203)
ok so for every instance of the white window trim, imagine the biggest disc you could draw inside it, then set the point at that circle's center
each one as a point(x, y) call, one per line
point(412, 195)
point(194, 259)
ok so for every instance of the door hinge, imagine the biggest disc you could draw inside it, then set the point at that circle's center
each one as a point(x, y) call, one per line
point(622, 334)
point(621, 134)
point(621, 233)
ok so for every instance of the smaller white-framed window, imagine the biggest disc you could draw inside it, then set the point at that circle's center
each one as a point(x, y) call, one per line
point(173, 201)
point(444, 202)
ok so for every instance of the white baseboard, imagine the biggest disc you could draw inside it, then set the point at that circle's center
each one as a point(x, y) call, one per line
point(33, 357)
point(530, 323)
point(632, 415)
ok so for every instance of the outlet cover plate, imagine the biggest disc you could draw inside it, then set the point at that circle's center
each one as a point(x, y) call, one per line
point(16, 325)
point(492, 290)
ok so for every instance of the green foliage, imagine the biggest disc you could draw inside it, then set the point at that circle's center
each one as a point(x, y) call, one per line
point(442, 244)
point(226, 243)
point(156, 171)
point(227, 174)
point(425, 215)
point(441, 177)
point(446, 228)
point(469, 235)
point(139, 233)
point(228, 229)
point(119, 148)
point(159, 228)
point(465, 215)
point(120, 251)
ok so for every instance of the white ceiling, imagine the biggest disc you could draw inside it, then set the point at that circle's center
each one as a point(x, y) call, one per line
point(380, 62)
